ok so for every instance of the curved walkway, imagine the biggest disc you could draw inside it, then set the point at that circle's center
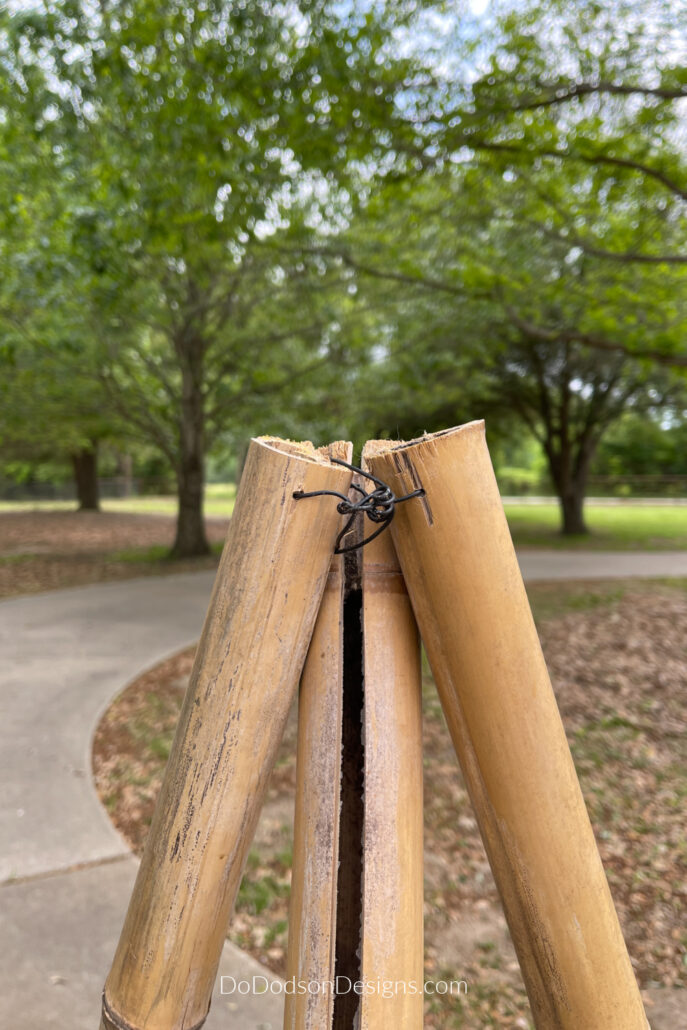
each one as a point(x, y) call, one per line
point(63, 655)
point(66, 873)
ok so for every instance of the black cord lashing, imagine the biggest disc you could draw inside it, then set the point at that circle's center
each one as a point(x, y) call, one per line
point(379, 505)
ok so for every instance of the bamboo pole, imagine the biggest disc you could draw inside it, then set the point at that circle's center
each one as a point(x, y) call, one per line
point(392, 960)
point(259, 622)
point(470, 603)
point(312, 909)
point(356, 894)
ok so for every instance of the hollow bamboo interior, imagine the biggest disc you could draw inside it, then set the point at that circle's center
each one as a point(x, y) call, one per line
point(470, 603)
point(258, 626)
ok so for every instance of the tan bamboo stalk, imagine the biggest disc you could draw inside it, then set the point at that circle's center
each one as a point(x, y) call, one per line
point(470, 603)
point(259, 623)
point(312, 909)
point(381, 891)
point(392, 961)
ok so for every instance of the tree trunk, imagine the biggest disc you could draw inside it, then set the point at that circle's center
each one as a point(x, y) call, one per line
point(569, 477)
point(190, 540)
point(126, 474)
point(572, 510)
point(85, 466)
point(573, 496)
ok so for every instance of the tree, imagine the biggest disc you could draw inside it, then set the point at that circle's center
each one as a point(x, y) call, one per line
point(51, 411)
point(546, 227)
point(190, 134)
point(597, 88)
point(51, 406)
point(235, 223)
point(499, 315)
point(654, 447)
point(568, 397)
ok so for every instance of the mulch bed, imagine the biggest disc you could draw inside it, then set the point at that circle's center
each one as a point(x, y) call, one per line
point(49, 550)
point(89, 532)
point(619, 672)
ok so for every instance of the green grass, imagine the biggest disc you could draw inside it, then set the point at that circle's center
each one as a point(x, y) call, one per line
point(219, 503)
point(158, 553)
point(626, 527)
point(622, 527)
point(16, 559)
point(8, 506)
point(257, 893)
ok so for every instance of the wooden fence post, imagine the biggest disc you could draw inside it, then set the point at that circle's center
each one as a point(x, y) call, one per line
point(470, 603)
point(257, 630)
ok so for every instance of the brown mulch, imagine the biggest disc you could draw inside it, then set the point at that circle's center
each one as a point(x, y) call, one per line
point(619, 672)
point(620, 680)
point(132, 741)
point(90, 532)
point(48, 550)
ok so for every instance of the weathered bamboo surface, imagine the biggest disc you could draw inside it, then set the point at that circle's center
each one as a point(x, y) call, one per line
point(392, 960)
point(259, 622)
point(470, 603)
point(357, 890)
point(312, 909)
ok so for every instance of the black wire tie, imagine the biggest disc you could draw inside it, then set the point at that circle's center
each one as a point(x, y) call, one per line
point(379, 505)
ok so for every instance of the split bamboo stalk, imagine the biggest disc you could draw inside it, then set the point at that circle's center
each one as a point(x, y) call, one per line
point(392, 960)
point(356, 895)
point(470, 603)
point(251, 653)
point(312, 908)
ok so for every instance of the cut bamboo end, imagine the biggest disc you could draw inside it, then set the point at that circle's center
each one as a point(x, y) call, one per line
point(307, 451)
point(259, 622)
point(470, 603)
point(377, 448)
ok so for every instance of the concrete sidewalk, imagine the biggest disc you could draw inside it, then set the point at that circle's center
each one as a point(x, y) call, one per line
point(67, 873)
point(63, 656)
point(561, 565)
point(59, 936)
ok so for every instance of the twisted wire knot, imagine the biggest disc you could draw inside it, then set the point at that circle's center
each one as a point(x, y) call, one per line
point(379, 505)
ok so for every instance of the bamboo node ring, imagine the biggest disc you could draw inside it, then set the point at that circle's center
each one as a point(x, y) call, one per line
point(379, 505)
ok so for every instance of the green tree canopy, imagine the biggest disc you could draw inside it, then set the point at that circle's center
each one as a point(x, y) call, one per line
point(183, 137)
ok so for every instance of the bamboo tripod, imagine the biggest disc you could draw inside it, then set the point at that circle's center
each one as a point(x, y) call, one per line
point(356, 900)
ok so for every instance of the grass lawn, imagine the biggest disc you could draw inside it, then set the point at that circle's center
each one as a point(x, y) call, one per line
point(622, 527)
point(219, 503)
point(625, 527)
